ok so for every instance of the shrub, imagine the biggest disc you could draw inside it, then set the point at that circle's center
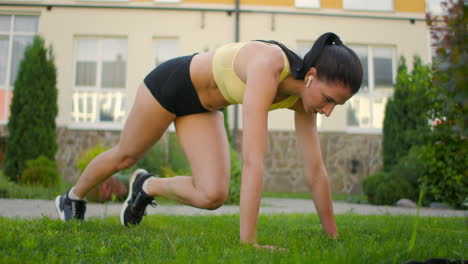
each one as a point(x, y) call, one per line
point(153, 161)
point(410, 167)
point(168, 172)
point(122, 177)
point(33, 111)
point(158, 157)
point(88, 155)
point(12, 190)
point(41, 171)
point(396, 188)
point(384, 188)
point(413, 169)
point(111, 189)
point(372, 182)
point(177, 158)
point(446, 177)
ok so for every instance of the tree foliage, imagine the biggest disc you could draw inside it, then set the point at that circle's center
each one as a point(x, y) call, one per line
point(445, 157)
point(450, 39)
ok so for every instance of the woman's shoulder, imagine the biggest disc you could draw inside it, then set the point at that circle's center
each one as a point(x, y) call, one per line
point(256, 52)
point(264, 47)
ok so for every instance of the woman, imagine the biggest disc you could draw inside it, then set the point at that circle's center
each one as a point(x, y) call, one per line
point(262, 75)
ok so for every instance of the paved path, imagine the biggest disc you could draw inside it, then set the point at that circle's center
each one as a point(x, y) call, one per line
point(37, 208)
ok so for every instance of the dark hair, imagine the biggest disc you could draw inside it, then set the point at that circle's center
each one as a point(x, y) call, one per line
point(333, 60)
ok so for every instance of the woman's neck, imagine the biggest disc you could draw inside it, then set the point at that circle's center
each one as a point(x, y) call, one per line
point(291, 86)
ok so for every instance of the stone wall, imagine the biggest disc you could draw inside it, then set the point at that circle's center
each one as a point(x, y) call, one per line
point(72, 143)
point(347, 157)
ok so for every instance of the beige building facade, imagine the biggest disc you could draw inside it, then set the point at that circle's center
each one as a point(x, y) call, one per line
point(104, 49)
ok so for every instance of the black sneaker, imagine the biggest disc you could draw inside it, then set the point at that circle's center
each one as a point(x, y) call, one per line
point(134, 208)
point(69, 209)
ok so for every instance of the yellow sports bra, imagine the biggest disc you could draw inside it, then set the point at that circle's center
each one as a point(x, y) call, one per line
point(231, 87)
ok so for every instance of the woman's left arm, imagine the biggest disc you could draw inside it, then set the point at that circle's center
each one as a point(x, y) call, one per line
point(314, 170)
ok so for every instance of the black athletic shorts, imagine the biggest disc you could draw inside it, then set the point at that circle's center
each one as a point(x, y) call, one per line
point(171, 85)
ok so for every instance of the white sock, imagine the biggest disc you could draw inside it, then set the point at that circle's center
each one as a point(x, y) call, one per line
point(145, 185)
point(72, 195)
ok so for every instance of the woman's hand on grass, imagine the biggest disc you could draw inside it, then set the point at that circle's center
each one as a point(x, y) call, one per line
point(333, 235)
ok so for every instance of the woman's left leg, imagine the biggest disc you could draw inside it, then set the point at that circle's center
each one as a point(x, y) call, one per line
point(204, 141)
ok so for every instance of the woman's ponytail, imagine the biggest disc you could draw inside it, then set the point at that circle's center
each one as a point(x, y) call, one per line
point(327, 39)
point(334, 62)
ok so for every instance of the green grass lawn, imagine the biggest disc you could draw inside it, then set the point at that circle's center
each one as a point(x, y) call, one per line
point(214, 239)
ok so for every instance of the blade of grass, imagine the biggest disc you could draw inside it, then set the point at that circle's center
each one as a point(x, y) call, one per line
point(416, 223)
point(413, 233)
point(170, 242)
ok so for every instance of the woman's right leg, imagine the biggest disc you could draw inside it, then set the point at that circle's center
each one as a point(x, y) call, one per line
point(146, 123)
point(204, 141)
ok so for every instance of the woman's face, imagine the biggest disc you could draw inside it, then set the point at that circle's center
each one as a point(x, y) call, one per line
point(322, 97)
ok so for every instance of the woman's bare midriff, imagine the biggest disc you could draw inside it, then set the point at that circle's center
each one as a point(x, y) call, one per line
point(204, 83)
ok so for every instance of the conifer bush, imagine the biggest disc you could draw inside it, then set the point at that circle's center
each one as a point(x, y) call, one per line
point(34, 108)
point(406, 119)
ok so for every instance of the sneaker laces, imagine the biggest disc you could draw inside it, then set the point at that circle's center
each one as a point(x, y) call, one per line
point(153, 204)
point(78, 208)
point(139, 204)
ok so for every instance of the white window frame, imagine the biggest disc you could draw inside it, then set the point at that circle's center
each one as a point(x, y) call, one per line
point(363, 6)
point(307, 4)
point(372, 94)
point(98, 125)
point(11, 34)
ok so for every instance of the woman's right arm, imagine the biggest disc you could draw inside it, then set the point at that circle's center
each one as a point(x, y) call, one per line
point(262, 74)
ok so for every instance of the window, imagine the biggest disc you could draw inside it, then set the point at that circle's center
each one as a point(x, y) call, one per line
point(16, 33)
point(366, 109)
point(307, 3)
point(166, 49)
point(368, 5)
point(100, 81)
